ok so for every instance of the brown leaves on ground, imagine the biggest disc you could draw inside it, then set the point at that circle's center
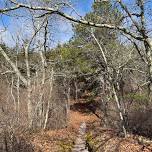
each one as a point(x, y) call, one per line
point(107, 140)
point(50, 141)
point(103, 139)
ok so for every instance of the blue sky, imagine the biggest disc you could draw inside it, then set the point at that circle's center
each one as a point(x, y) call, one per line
point(84, 6)
point(64, 29)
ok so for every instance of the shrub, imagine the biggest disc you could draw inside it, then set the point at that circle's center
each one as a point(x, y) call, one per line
point(136, 97)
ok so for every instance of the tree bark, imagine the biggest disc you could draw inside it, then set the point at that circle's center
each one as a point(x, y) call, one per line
point(149, 57)
point(120, 110)
point(49, 100)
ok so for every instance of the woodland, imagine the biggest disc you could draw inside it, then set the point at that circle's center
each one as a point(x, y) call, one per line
point(87, 92)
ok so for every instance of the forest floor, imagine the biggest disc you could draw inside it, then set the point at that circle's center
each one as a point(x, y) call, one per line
point(62, 140)
point(100, 139)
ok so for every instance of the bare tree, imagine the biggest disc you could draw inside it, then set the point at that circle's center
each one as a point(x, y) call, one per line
point(139, 31)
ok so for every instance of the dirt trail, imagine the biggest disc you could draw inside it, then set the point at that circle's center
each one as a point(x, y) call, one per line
point(54, 141)
point(62, 140)
point(76, 118)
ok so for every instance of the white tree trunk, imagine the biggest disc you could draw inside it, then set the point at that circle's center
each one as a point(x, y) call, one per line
point(120, 110)
point(49, 100)
point(13, 97)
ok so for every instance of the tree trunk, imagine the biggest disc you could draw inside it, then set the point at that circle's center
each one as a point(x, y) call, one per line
point(76, 91)
point(29, 107)
point(120, 110)
point(150, 75)
point(67, 106)
point(148, 45)
point(50, 95)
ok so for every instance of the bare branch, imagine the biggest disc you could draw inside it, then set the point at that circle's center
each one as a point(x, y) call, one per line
point(18, 73)
point(50, 10)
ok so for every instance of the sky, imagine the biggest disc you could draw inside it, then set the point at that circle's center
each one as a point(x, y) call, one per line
point(63, 29)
